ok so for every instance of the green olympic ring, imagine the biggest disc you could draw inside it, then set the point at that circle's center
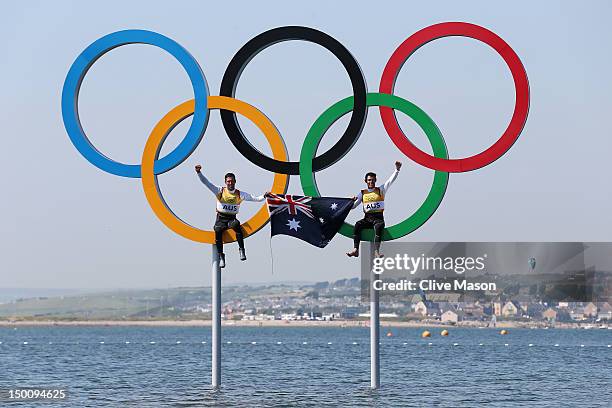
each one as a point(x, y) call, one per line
point(335, 112)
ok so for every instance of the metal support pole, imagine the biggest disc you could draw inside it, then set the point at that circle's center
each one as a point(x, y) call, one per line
point(216, 319)
point(374, 328)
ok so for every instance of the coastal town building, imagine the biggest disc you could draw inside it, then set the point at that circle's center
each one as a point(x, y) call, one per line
point(451, 316)
point(497, 308)
point(605, 312)
point(534, 310)
point(549, 314)
point(427, 308)
point(577, 313)
point(590, 310)
point(473, 311)
point(511, 309)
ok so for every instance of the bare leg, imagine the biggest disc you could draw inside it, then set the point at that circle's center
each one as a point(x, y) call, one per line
point(357, 237)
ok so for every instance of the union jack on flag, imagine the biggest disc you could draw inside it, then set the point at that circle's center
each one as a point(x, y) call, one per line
point(312, 219)
point(292, 204)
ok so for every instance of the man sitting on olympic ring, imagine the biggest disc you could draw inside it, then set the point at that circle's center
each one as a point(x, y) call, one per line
point(373, 199)
point(228, 205)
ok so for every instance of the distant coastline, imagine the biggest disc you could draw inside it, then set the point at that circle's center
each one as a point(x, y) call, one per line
point(284, 323)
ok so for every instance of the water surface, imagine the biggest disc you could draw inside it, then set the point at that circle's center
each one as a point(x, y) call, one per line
point(170, 367)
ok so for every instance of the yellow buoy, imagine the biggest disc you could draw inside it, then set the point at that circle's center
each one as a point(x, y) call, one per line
point(503, 332)
point(444, 332)
point(426, 333)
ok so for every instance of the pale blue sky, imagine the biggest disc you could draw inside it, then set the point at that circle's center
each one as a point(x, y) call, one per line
point(67, 224)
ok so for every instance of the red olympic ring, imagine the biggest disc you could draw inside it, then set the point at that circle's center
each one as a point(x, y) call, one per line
point(521, 107)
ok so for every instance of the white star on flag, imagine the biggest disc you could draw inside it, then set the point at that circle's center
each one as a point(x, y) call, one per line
point(322, 220)
point(293, 224)
point(334, 206)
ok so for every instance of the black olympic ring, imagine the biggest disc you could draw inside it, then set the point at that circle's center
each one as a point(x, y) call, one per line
point(254, 47)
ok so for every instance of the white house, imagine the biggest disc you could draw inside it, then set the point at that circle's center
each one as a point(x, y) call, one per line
point(511, 309)
point(452, 316)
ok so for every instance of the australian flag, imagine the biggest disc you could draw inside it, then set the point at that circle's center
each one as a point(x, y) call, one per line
point(313, 219)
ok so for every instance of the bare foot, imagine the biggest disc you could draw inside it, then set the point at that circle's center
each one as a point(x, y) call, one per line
point(354, 252)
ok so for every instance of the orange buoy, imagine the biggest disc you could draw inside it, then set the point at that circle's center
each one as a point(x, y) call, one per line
point(389, 334)
point(444, 332)
point(426, 333)
point(503, 332)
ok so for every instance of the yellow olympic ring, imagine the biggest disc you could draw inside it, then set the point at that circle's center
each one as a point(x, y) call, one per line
point(151, 154)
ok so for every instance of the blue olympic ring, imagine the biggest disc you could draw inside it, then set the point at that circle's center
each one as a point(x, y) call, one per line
point(86, 59)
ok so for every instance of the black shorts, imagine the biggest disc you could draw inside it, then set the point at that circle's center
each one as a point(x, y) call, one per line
point(225, 221)
point(373, 217)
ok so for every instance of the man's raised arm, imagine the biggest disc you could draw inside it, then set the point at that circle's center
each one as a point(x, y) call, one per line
point(385, 187)
point(213, 189)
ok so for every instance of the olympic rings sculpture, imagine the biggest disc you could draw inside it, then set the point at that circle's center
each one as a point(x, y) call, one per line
point(309, 163)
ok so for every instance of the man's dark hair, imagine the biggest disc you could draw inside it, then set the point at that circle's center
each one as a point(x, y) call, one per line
point(369, 174)
point(232, 175)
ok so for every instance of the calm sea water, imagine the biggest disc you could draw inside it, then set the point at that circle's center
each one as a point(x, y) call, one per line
point(309, 367)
